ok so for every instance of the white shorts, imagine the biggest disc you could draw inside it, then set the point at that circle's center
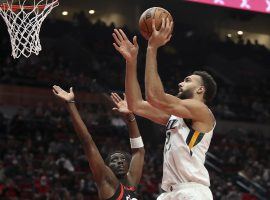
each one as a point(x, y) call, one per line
point(187, 191)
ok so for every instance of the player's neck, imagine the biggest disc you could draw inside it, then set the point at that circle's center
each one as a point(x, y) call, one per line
point(198, 98)
point(124, 180)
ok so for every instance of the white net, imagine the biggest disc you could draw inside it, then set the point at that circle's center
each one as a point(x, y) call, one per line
point(24, 19)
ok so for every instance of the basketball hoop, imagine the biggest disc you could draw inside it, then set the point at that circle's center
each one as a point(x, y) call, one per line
point(24, 19)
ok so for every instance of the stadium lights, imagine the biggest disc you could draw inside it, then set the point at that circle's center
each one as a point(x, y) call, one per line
point(240, 32)
point(65, 13)
point(91, 12)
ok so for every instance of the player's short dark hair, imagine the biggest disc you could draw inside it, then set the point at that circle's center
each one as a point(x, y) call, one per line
point(126, 154)
point(210, 85)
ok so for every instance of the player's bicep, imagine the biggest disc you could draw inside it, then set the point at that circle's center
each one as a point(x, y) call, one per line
point(136, 166)
point(187, 108)
point(148, 111)
point(97, 165)
point(179, 111)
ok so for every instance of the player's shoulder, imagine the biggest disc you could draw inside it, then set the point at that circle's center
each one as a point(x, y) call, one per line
point(200, 110)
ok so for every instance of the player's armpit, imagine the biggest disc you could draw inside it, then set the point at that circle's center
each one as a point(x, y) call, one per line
point(146, 110)
point(108, 186)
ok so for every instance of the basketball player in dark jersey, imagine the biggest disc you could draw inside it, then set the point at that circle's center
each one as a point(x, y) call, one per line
point(118, 177)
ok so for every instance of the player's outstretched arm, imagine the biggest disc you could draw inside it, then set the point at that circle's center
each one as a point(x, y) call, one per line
point(137, 147)
point(132, 88)
point(155, 94)
point(103, 176)
point(154, 89)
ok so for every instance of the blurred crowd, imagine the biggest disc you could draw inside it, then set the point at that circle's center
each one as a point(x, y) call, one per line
point(239, 67)
point(243, 157)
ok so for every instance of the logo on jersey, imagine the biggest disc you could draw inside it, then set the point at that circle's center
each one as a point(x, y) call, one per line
point(193, 138)
point(171, 124)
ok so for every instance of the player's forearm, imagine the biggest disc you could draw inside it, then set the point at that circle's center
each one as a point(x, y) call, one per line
point(153, 86)
point(132, 125)
point(135, 101)
point(94, 158)
point(132, 87)
point(136, 164)
point(134, 132)
point(79, 125)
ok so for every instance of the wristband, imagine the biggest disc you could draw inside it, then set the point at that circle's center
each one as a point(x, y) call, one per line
point(70, 101)
point(130, 119)
point(136, 143)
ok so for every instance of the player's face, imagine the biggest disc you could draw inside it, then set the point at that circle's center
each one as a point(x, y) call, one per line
point(119, 165)
point(188, 87)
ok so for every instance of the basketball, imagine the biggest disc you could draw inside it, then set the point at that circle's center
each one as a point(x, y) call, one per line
point(145, 22)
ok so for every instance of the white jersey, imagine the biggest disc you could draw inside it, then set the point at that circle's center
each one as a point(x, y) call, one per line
point(184, 155)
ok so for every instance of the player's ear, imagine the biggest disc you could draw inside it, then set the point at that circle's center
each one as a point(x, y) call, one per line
point(201, 90)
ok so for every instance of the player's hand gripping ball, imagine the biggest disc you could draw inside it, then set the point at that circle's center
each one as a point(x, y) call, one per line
point(145, 22)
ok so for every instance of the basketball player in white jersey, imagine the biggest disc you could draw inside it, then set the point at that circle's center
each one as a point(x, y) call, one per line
point(188, 120)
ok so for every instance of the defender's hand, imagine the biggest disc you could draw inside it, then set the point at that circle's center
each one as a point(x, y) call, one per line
point(62, 94)
point(121, 105)
point(161, 37)
point(128, 50)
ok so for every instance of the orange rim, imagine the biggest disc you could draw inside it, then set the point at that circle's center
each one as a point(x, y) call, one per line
point(6, 6)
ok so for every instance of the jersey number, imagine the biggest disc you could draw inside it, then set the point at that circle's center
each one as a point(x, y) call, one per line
point(170, 125)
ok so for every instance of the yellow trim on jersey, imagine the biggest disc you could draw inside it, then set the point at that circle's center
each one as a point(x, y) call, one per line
point(193, 139)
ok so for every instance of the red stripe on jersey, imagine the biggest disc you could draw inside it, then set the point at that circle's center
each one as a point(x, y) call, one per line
point(121, 192)
point(132, 188)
